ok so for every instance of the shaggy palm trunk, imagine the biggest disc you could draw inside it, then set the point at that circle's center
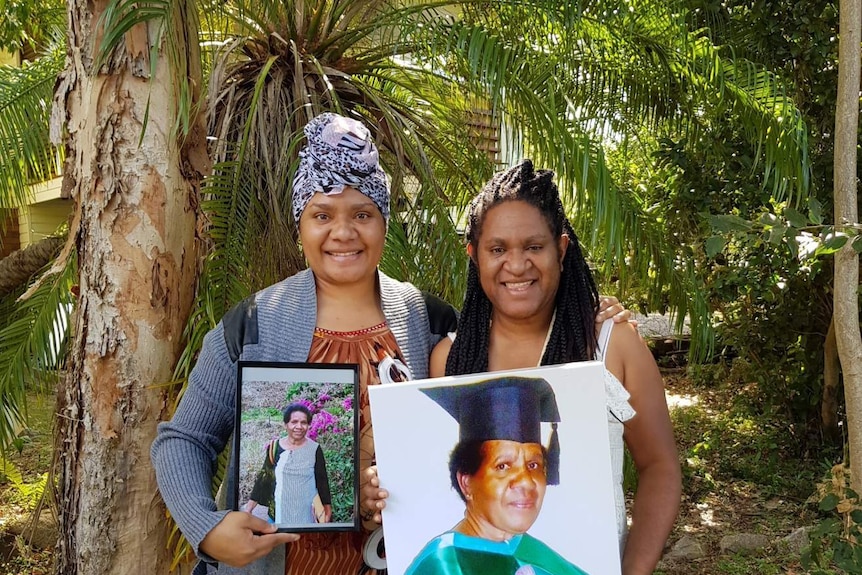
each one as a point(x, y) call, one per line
point(21, 265)
point(846, 213)
point(136, 203)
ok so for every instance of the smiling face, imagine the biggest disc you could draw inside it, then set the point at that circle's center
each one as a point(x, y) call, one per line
point(519, 260)
point(297, 426)
point(342, 237)
point(505, 495)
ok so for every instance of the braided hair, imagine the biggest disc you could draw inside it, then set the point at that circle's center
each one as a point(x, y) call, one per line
point(573, 336)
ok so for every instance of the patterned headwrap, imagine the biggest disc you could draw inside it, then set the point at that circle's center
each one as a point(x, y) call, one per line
point(339, 153)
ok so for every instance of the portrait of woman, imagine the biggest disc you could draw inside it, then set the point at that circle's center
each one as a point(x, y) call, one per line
point(293, 475)
point(501, 471)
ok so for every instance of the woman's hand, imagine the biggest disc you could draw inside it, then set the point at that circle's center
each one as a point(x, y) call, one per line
point(327, 513)
point(610, 307)
point(241, 538)
point(249, 506)
point(373, 498)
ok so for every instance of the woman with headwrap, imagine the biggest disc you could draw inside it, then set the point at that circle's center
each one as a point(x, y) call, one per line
point(340, 310)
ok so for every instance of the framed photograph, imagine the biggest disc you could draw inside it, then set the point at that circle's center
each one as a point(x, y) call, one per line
point(296, 438)
point(504, 472)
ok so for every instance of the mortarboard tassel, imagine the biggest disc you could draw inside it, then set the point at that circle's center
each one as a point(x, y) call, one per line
point(553, 471)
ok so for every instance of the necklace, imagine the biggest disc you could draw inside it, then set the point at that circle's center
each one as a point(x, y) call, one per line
point(547, 338)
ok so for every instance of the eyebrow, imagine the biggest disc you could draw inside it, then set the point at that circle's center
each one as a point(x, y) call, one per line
point(324, 204)
point(527, 240)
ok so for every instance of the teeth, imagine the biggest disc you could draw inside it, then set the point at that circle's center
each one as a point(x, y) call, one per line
point(343, 254)
point(518, 285)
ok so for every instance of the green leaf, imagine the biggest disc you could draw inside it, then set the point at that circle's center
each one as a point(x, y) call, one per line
point(33, 342)
point(833, 243)
point(857, 244)
point(729, 223)
point(714, 245)
point(768, 219)
point(814, 211)
point(796, 219)
point(828, 503)
point(790, 241)
point(776, 234)
point(856, 516)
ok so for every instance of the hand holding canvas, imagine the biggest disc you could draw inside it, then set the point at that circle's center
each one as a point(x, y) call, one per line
point(373, 498)
point(240, 538)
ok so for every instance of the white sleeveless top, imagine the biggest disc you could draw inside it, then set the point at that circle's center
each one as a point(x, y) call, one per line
point(619, 411)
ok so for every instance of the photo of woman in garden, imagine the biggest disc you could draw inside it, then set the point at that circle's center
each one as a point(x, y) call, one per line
point(296, 447)
point(293, 475)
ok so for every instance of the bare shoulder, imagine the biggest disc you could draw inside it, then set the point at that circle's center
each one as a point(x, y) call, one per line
point(629, 358)
point(439, 355)
point(625, 336)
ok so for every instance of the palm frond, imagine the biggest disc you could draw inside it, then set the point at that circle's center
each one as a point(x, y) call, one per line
point(33, 342)
point(26, 153)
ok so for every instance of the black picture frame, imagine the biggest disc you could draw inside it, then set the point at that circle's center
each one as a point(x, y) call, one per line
point(330, 392)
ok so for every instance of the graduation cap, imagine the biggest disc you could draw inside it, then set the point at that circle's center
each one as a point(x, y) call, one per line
point(509, 408)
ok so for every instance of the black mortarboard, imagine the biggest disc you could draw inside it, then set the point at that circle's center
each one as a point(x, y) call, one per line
point(510, 408)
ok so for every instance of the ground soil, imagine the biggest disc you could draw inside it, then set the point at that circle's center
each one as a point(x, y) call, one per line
point(731, 505)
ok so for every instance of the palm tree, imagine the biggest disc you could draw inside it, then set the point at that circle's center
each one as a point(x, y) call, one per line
point(562, 78)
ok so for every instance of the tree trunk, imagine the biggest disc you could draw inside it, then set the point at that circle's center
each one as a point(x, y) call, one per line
point(137, 201)
point(846, 314)
point(831, 381)
point(21, 265)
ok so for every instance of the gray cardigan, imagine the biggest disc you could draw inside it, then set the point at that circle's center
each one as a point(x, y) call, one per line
point(186, 448)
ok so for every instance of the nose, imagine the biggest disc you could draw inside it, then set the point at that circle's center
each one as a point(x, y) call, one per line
point(342, 229)
point(516, 262)
point(523, 479)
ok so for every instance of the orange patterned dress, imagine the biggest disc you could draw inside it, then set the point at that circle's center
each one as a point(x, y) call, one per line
point(340, 553)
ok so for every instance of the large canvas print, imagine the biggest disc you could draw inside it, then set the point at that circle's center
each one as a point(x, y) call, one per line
point(505, 472)
point(296, 438)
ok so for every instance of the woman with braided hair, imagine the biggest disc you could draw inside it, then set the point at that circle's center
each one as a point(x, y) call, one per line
point(531, 300)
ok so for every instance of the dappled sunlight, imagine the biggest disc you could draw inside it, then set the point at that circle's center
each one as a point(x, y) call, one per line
point(683, 400)
point(707, 515)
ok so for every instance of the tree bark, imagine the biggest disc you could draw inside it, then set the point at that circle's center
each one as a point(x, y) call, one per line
point(846, 314)
point(136, 200)
point(831, 381)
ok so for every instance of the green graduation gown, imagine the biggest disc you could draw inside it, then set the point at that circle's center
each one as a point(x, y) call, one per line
point(457, 554)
